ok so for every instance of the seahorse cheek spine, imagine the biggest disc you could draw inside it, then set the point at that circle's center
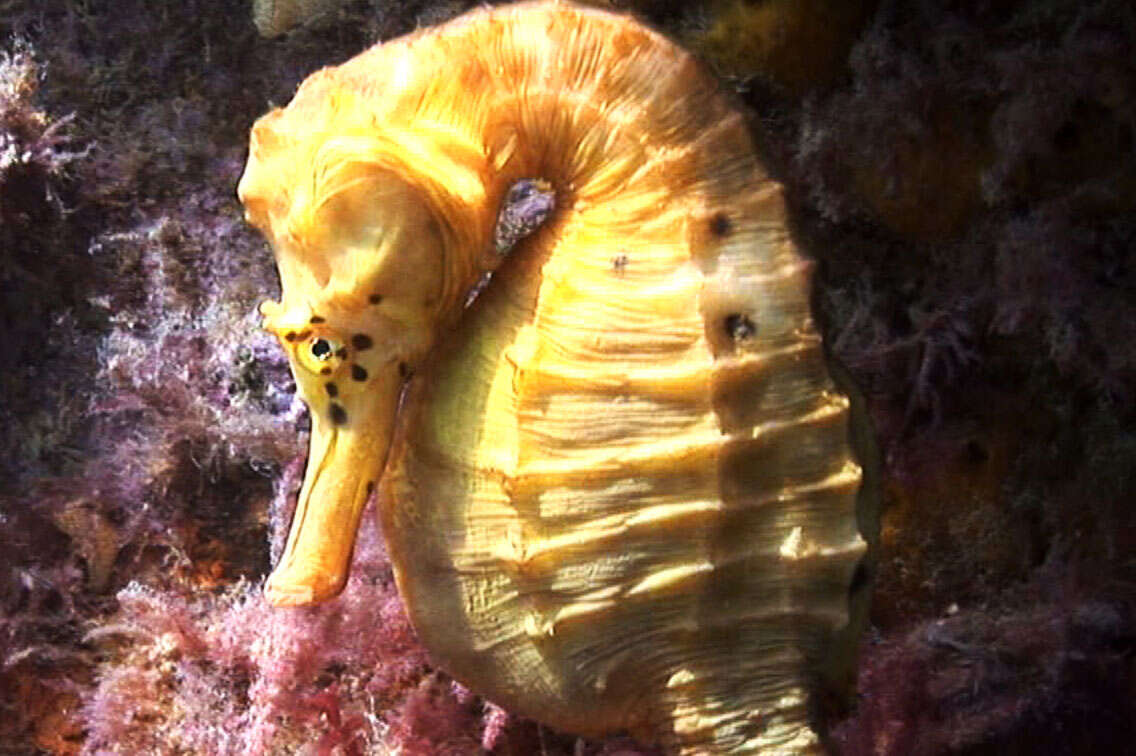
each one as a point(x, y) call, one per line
point(620, 492)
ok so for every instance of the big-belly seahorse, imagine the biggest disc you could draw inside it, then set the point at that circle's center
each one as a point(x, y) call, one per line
point(619, 488)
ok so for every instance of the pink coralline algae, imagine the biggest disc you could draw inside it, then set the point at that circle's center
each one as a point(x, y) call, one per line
point(223, 673)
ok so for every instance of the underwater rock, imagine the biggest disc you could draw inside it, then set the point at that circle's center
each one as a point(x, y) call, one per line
point(275, 17)
point(793, 44)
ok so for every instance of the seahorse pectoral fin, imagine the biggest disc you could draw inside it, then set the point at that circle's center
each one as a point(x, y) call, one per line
point(349, 445)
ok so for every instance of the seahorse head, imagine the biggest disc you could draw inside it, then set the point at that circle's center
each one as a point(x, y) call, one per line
point(363, 243)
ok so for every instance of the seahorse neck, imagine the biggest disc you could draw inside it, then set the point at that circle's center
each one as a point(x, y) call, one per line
point(471, 113)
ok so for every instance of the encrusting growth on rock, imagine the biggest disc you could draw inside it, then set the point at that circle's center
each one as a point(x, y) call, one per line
point(275, 17)
point(617, 495)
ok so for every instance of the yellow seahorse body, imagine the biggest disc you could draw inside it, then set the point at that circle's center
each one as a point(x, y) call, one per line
point(619, 492)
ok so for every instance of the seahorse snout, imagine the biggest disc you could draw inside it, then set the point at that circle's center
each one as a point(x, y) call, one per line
point(350, 374)
point(350, 439)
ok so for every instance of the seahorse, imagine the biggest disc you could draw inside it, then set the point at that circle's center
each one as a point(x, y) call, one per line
point(619, 488)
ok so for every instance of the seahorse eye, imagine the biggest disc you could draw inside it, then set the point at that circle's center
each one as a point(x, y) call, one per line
point(321, 355)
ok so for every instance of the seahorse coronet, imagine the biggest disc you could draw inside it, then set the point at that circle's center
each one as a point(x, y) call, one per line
point(619, 488)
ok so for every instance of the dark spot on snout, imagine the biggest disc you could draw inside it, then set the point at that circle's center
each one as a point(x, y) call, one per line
point(361, 341)
point(720, 224)
point(332, 390)
point(325, 371)
point(375, 298)
point(358, 372)
point(341, 353)
point(404, 370)
point(290, 336)
point(316, 319)
point(739, 326)
point(338, 414)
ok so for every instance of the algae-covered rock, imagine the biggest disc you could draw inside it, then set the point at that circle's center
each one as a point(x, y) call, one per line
point(794, 44)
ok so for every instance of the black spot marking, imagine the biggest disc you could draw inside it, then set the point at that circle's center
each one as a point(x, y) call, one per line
point(358, 372)
point(361, 341)
point(375, 298)
point(404, 370)
point(338, 414)
point(341, 353)
point(332, 390)
point(315, 319)
point(325, 371)
point(720, 224)
point(321, 349)
point(739, 327)
point(290, 336)
point(619, 262)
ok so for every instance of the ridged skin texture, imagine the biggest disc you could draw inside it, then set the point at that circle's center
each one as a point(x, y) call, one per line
point(619, 491)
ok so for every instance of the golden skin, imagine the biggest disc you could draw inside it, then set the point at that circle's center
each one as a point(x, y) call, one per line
point(619, 492)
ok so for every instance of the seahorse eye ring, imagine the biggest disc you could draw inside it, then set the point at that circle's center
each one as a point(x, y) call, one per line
point(321, 353)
